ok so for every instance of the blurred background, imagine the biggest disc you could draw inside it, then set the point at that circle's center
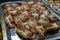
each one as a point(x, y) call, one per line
point(1, 1)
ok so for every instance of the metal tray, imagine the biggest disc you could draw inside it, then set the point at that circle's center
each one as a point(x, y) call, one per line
point(9, 34)
point(58, 13)
point(5, 31)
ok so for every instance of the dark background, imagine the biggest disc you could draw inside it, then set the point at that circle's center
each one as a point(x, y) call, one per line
point(1, 1)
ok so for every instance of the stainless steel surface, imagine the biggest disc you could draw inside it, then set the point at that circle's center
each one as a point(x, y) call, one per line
point(13, 36)
point(3, 26)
